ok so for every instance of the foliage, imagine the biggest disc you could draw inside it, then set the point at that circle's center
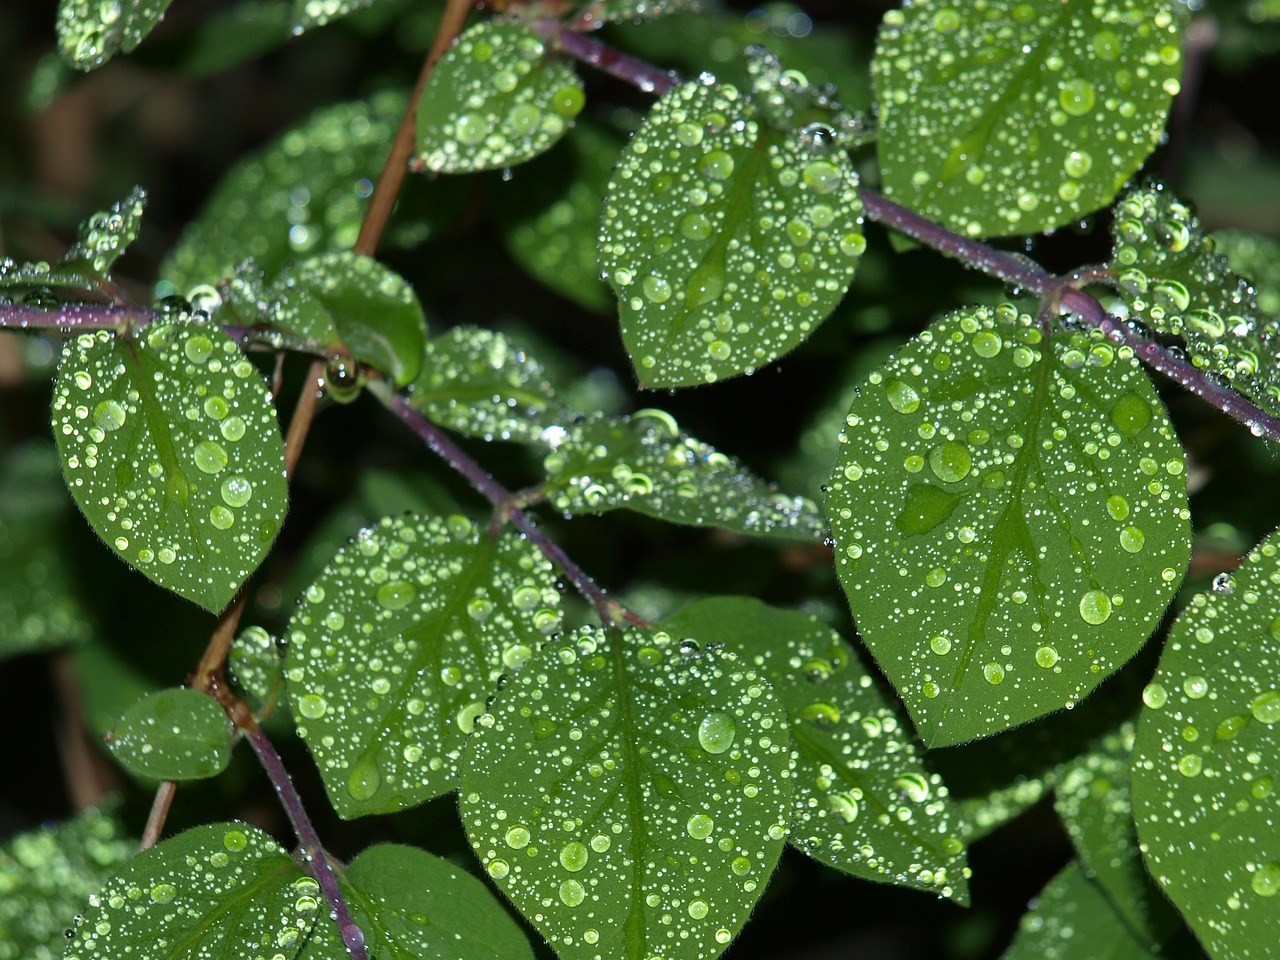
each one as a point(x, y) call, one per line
point(1011, 504)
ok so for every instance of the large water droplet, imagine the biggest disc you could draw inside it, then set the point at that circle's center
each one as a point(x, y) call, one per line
point(365, 778)
point(1095, 607)
point(716, 732)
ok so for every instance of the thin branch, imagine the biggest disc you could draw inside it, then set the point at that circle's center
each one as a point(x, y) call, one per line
point(644, 76)
point(76, 316)
point(159, 813)
point(313, 852)
point(387, 189)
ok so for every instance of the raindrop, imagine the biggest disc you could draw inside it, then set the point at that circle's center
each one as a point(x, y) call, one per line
point(716, 732)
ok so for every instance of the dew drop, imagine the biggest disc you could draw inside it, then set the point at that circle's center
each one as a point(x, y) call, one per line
point(716, 732)
point(312, 706)
point(109, 416)
point(498, 869)
point(517, 838)
point(1046, 656)
point(1155, 696)
point(572, 893)
point(365, 778)
point(236, 491)
point(1224, 584)
point(902, 397)
point(574, 856)
point(1095, 607)
point(993, 673)
point(396, 595)
point(698, 909)
point(700, 826)
point(1266, 880)
point(1265, 707)
point(210, 457)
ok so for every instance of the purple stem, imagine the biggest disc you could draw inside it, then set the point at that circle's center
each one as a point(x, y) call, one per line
point(608, 609)
point(1015, 270)
point(90, 316)
point(314, 854)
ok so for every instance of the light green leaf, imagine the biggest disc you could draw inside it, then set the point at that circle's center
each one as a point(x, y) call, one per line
point(669, 766)
point(100, 241)
point(410, 905)
point(47, 875)
point(170, 446)
point(255, 664)
point(91, 32)
point(864, 803)
point(1206, 760)
point(494, 100)
point(355, 299)
point(175, 734)
point(1174, 280)
point(39, 603)
point(1092, 798)
point(1072, 920)
point(305, 193)
point(477, 382)
point(1020, 115)
point(726, 241)
point(549, 224)
point(644, 463)
point(1010, 515)
point(220, 890)
point(396, 646)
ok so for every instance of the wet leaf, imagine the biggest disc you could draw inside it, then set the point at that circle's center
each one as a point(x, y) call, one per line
point(91, 32)
point(1072, 920)
point(549, 225)
point(396, 646)
point(494, 100)
point(1017, 116)
point(1257, 257)
point(477, 382)
point(410, 905)
point(175, 734)
point(1206, 759)
point(220, 890)
point(255, 664)
point(47, 875)
point(864, 803)
point(644, 463)
point(612, 795)
point(309, 14)
point(1173, 280)
point(40, 606)
point(1010, 514)
point(726, 241)
point(636, 10)
point(1093, 800)
point(170, 446)
point(100, 241)
point(352, 299)
point(305, 193)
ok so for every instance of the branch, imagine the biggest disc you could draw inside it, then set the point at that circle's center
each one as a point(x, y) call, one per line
point(77, 316)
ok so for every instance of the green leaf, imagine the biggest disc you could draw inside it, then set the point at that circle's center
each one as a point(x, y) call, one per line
point(91, 32)
point(864, 803)
point(549, 224)
point(1092, 797)
point(305, 193)
point(396, 646)
point(1257, 257)
point(1173, 280)
point(356, 300)
point(605, 11)
point(39, 604)
point(1072, 920)
point(726, 241)
point(644, 463)
point(1206, 759)
point(220, 890)
point(255, 664)
point(175, 734)
point(410, 905)
point(47, 875)
point(494, 100)
point(1020, 116)
point(100, 241)
point(1010, 515)
point(170, 446)
point(308, 14)
point(629, 796)
point(477, 382)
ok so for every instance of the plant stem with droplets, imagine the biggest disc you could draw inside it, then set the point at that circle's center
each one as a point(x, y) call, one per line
point(78, 316)
point(1015, 270)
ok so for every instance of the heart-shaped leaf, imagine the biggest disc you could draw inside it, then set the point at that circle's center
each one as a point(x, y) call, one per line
point(175, 734)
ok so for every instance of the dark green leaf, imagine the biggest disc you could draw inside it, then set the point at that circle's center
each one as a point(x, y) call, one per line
point(1020, 115)
point(1072, 920)
point(170, 446)
point(396, 646)
point(864, 803)
point(39, 604)
point(1206, 759)
point(221, 890)
point(358, 301)
point(91, 32)
point(644, 463)
point(726, 241)
point(100, 240)
point(47, 875)
point(1174, 280)
point(634, 10)
point(410, 905)
point(1010, 514)
point(494, 100)
point(175, 734)
point(630, 796)
point(1257, 257)
point(476, 382)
